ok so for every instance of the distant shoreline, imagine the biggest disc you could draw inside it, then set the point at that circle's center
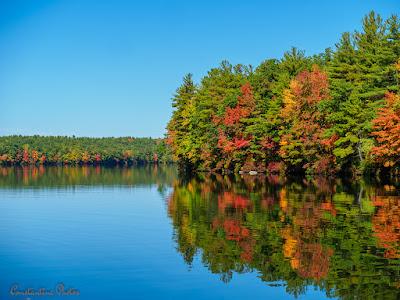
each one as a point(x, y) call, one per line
point(62, 150)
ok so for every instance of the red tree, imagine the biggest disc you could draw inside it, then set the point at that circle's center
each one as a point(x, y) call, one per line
point(232, 140)
point(304, 143)
point(25, 156)
point(387, 132)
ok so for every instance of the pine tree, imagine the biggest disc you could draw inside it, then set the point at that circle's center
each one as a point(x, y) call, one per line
point(179, 127)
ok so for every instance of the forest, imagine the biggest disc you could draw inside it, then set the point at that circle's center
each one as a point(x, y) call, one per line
point(63, 150)
point(335, 112)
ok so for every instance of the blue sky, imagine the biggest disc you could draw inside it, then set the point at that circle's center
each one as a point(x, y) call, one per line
point(109, 68)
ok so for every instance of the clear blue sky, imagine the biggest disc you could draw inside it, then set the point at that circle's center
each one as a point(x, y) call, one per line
point(109, 68)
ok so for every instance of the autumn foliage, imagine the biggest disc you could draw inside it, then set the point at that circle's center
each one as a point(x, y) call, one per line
point(232, 139)
point(304, 144)
point(57, 150)
point(318, 114)
point(387, 132)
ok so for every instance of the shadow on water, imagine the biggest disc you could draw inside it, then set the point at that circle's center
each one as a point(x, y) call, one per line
point(339, 236)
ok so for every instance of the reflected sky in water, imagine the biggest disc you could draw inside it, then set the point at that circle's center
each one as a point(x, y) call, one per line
point(146, 233)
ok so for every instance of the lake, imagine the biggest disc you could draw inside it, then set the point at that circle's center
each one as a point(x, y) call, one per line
point(147, 233)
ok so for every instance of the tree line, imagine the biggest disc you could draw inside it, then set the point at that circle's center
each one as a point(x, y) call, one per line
point(45, 150)
point(333, 112)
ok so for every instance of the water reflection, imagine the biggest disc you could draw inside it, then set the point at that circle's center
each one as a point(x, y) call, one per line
point(339, 237)
point(70, 176)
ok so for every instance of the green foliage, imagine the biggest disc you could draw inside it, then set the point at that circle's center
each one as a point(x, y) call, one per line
point(81, 150)
point(361, 72)
point(362, 68)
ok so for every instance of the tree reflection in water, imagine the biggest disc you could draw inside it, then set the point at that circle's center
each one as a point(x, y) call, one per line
point(341, 238)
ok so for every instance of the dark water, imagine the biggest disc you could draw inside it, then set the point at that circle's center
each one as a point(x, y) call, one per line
point(145, 233)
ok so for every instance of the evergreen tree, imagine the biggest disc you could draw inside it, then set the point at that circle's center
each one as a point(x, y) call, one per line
point(180, 125)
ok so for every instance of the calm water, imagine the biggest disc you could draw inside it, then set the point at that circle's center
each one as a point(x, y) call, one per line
point(145, 233)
